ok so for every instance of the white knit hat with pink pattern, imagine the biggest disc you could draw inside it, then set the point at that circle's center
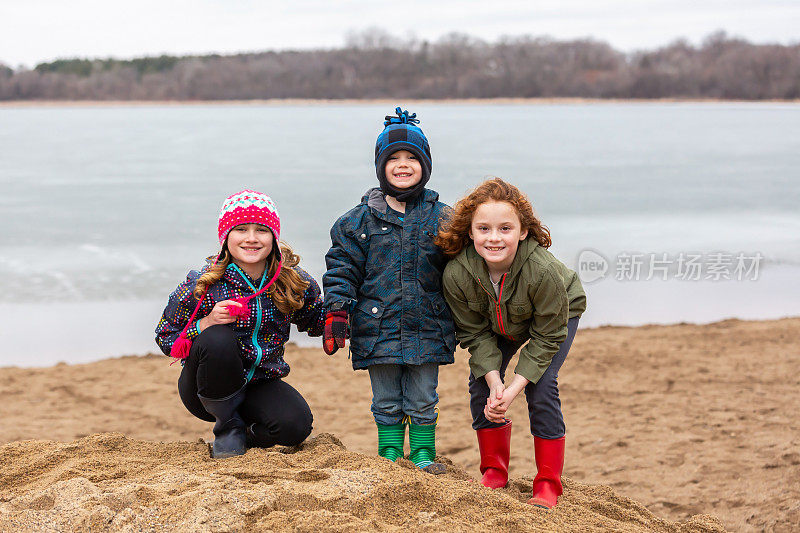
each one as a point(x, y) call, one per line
point(246, 207)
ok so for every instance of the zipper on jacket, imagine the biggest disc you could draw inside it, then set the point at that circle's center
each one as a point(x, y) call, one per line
point(500, 314)
point(497, 304)
point(259, 351)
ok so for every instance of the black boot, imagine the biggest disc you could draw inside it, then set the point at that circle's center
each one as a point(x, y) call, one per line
point(229, 431)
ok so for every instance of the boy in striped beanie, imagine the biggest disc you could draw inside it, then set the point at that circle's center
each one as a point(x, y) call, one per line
point(385, 277)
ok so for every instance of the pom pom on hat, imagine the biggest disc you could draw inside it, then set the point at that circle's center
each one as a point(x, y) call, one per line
point(402, 133)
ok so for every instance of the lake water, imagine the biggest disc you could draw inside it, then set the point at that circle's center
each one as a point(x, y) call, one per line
point(104, 209)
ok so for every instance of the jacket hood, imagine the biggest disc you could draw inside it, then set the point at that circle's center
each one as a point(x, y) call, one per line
point(376, 199)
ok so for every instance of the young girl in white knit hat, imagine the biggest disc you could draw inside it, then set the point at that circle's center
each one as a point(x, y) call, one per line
point(228, 323)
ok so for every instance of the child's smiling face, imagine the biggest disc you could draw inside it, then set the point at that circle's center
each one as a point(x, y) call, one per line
point(496, 231)
point(403, 170)
point(250, 244)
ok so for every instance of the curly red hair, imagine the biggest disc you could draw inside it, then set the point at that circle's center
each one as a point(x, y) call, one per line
point(453, 236)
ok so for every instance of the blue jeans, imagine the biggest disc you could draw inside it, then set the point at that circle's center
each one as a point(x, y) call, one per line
point(404, 390)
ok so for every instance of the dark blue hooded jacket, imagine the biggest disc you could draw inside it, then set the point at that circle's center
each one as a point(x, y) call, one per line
point(387, 272)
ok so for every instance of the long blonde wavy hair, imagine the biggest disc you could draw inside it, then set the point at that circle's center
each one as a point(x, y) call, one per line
point(286, 292)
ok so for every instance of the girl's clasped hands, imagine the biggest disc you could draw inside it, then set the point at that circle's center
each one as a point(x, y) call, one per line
point(500, 397)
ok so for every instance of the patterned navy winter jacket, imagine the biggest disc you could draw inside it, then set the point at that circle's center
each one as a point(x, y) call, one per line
point(387, 273)
point(261, 334)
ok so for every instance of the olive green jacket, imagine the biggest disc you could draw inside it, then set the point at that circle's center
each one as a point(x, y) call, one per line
point(537, 297)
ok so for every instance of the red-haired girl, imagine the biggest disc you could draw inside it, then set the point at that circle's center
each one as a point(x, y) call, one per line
point(505, 288)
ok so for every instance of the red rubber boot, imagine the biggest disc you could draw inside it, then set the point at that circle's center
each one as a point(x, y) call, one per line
point(495, 447)
point(549, 454)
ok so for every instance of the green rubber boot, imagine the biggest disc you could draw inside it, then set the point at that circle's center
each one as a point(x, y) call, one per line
point(390, 440)
point(422, 440)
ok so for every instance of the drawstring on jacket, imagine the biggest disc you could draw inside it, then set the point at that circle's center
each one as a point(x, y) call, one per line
point(182, 346)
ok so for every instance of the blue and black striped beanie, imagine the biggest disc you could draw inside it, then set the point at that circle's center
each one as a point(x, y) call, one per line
point(402, 133)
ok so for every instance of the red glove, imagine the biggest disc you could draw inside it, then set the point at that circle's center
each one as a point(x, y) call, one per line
point(335, 332)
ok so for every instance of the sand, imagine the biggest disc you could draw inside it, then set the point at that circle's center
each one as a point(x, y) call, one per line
point(669, 428)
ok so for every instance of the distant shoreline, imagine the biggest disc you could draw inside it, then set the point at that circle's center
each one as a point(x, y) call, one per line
point(11, 104)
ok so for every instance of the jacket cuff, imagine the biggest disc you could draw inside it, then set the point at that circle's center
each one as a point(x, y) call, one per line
point(480, 366)
point(193, 330)
point(347, 304)
point(532, 366)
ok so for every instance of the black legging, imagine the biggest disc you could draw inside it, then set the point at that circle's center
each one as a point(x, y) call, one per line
point(275, 411)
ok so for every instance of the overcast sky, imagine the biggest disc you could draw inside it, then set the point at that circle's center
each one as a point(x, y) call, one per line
point(34, 31)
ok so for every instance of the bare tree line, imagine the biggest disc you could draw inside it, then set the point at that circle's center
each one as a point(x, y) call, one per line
point(374, 64)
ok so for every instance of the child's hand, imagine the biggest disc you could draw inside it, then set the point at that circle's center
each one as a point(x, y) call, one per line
point(495, 410)
point(335, 332)
point(218, 315)
point(495, 393)
point(497, 390)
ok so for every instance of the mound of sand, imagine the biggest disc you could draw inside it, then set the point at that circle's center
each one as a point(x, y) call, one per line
point(110, 482)
point(685, 419)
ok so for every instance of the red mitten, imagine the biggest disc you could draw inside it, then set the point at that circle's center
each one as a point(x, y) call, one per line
point(335, 332)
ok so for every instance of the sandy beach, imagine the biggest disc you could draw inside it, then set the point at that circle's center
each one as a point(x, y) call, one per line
point(669, 428)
